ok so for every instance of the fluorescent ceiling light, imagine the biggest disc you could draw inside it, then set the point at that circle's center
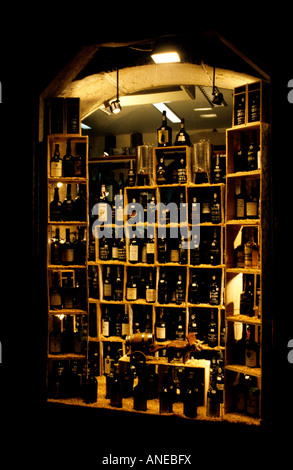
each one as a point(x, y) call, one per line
point(169, 114)
point(202, 109)
point(208, 115)
point(84, 126)
point(166, 57)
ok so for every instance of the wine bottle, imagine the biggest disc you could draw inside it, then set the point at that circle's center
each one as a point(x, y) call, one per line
point(67, 255)
point(163, 295)
point(212, 331)
point(125, 325)
point(55, 293)
point(214, 293)
point(216, 210)
point(68, 291)
point(104, 249)
point(217, 172)
point(161, 171)
point(252, 399)
point(131, 175)
point(254, 107)
point(252, 203)
point(179, 332)
point(150, 289)
point(174, 250)
point(114, 249)
point(215, 252)
point(195, 212)
point(162, 250)
point(190, 397)
point(118, 286)
point(80, 205)
point(213, 401)
point(80, 247)
point(240, 110)
point(182, 171)
point(55, 339)
point(240, 201)
point(247, 300)
point(140, 393)
point(107, 285)
point(150, 250)
point(103, 205)
point(131, 289)
point(182, 138)
point(122, 250)
point(165, 395)
point(240, 156)
point(205, 206)
point(160, 327)
point(68, 162)
point(252, 154)
point(56, 207)
point(56, 248)
point(133, 250)
point(68, 206)
point(164, 133)
point(251, 347)
point(179, 291)
point(56, 164)
point(182, 251)
point(116, 389)
point(106, 323)
point(194, 290)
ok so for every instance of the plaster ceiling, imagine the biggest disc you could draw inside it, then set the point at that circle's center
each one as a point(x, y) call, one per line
point(95, 82)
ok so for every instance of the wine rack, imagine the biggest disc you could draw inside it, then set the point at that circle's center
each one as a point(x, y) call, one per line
point(67, 280)
point(140, 310)
point(245, 235)
point(123, 276)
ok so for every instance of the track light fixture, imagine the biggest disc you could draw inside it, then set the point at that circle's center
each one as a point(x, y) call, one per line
point(115, 106)
point(218, 98)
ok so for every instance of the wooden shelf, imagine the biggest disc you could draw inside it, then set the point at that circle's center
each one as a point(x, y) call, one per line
point(253, 371)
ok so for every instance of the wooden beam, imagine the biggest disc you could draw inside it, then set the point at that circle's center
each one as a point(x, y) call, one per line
point(69, 71)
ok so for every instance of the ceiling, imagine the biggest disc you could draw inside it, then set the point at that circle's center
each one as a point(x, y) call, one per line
point(92, 77)
point(145, 118)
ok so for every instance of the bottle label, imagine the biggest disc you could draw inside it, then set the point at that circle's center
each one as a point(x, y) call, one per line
point(250, 358)
point(107, 290)
point(133, 253)
point(55, 300)
point(115, 254)
point(125, 329)
point(182, 175)
point(106, 328)
point(174, 256)
point(150, 248)
point(160, 332)
point(251, 209)
point(102, 211)
point(150, 295)
point(56, 169)
point(68, 255)
point(131, 293)
point(163, 136)
point(240, 213)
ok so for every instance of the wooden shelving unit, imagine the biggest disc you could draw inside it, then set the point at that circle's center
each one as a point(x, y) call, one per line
point(236, 368)
point(232, 275)
point(73, 311)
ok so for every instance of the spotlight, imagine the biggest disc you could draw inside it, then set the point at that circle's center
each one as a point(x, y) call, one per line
point(115, 106)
